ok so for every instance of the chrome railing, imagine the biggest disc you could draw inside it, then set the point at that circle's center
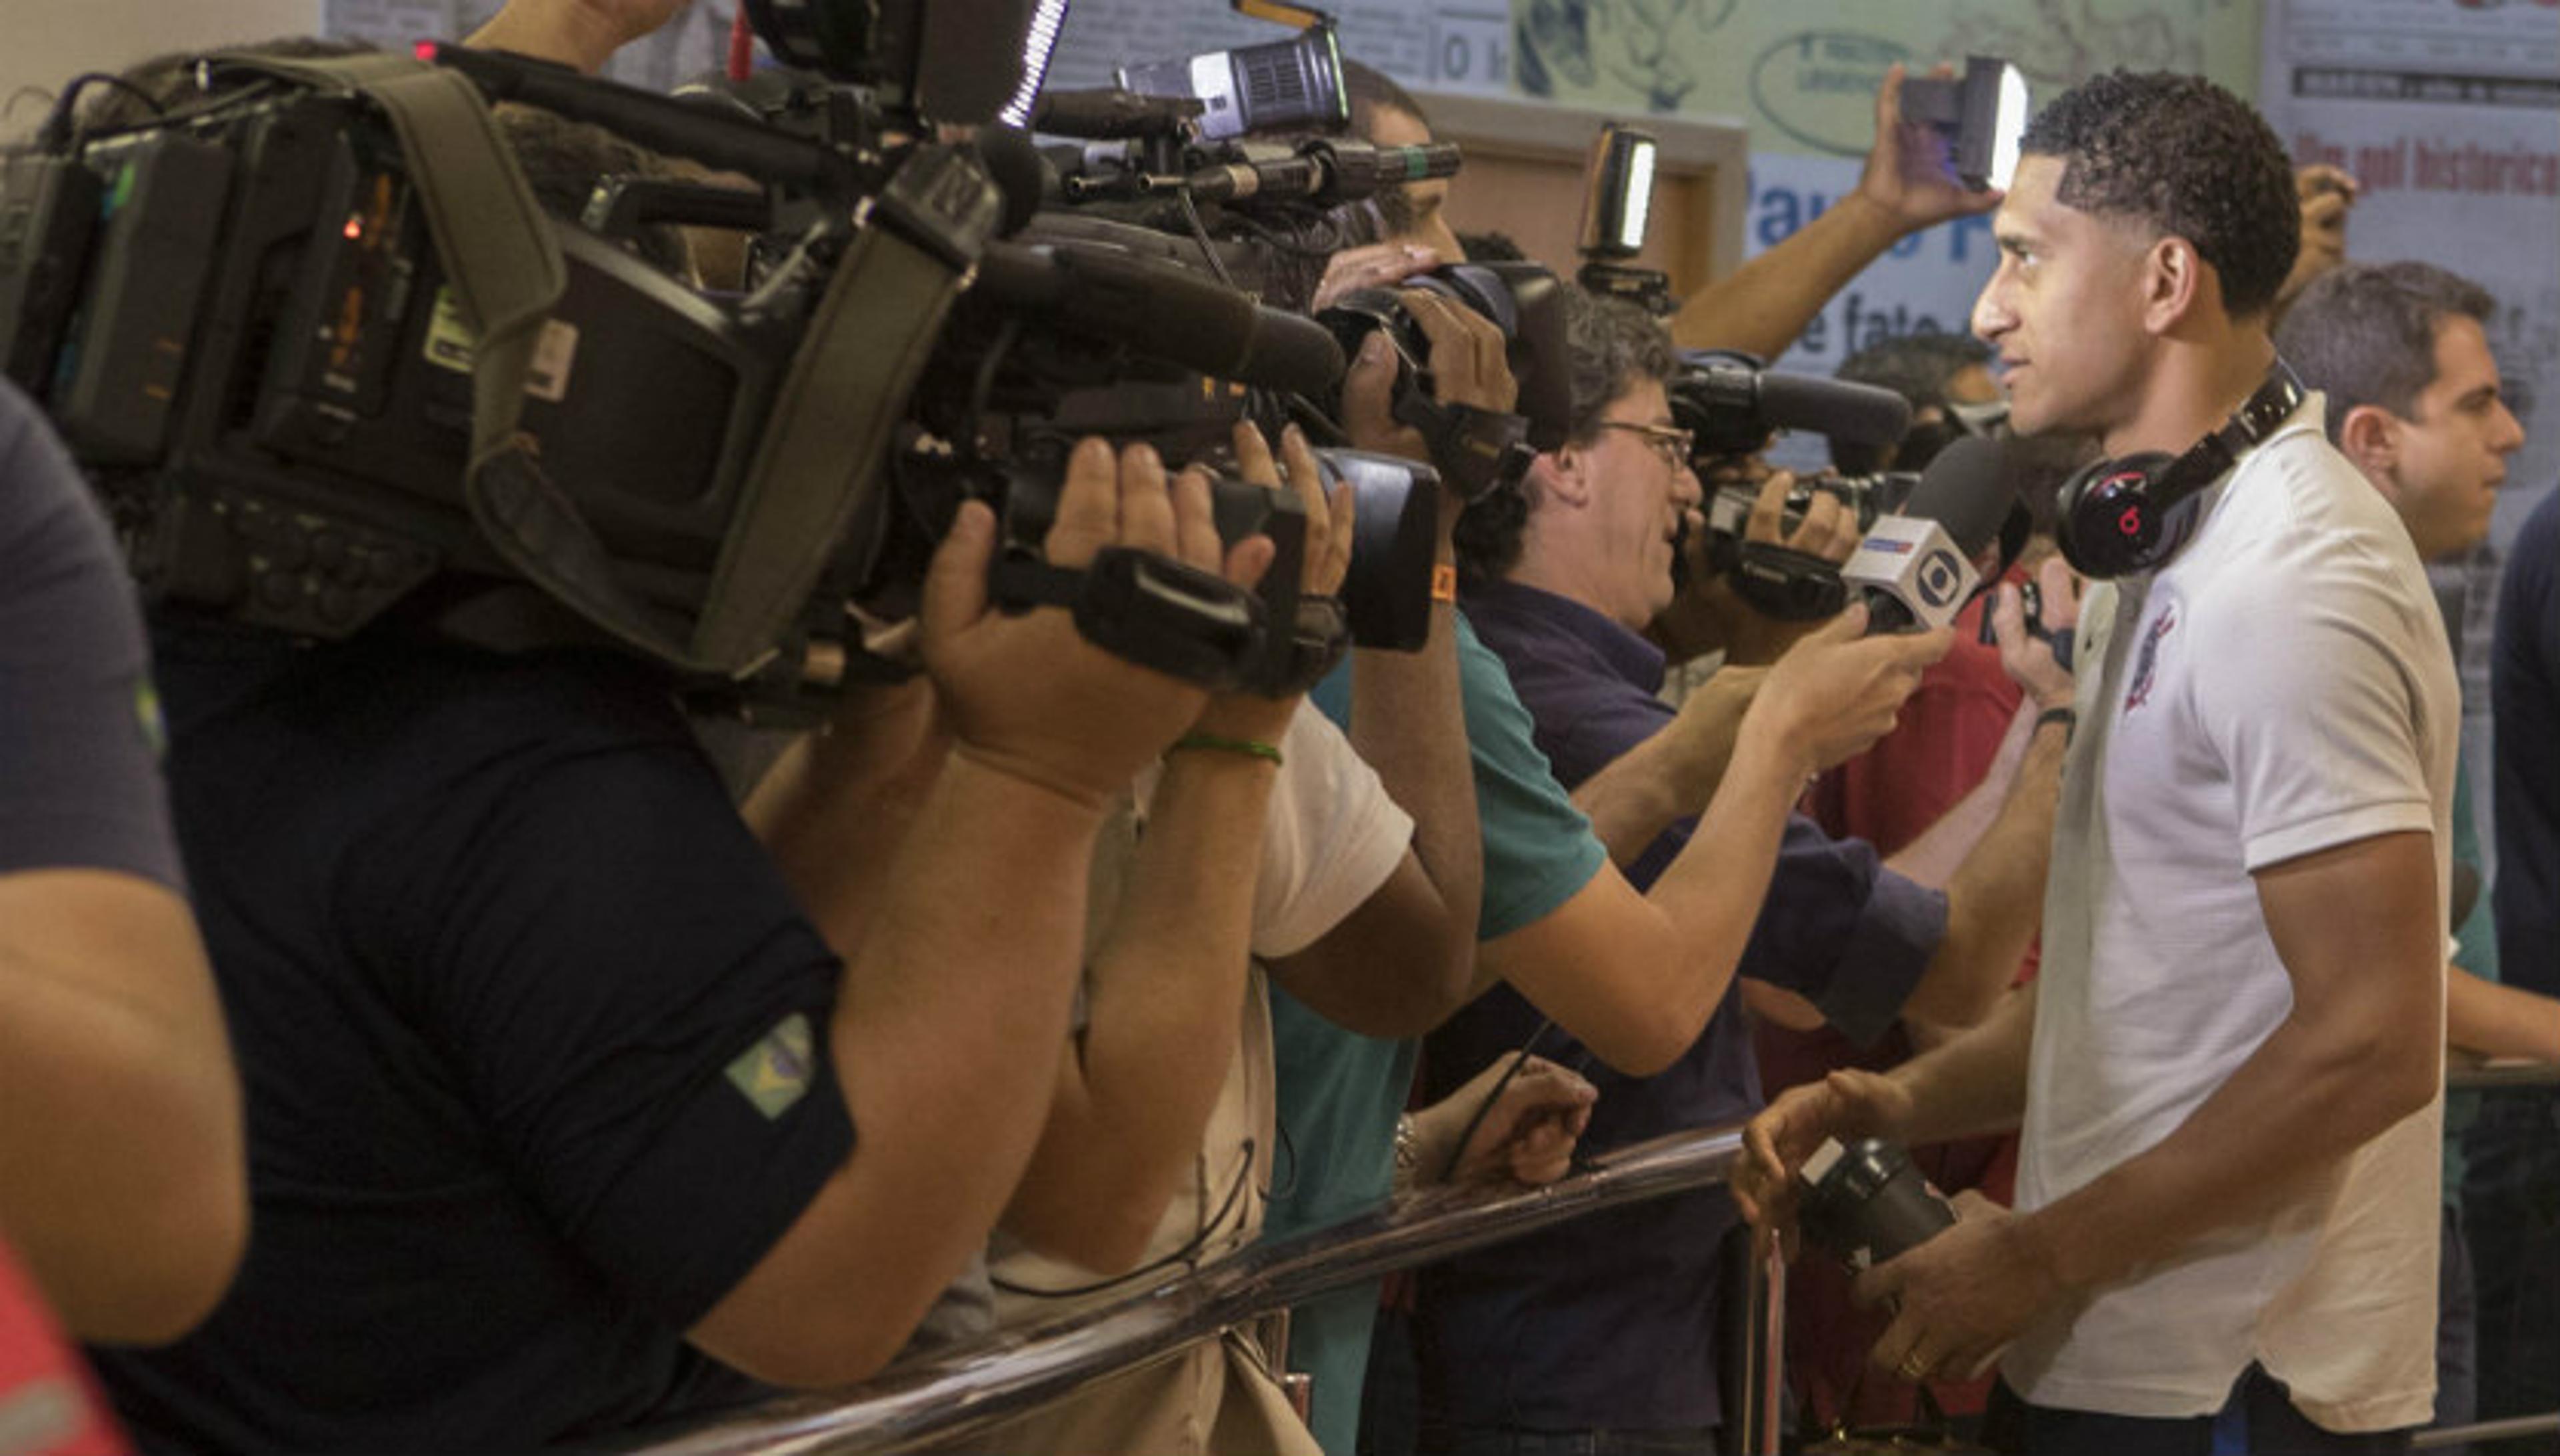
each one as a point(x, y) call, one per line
point(1017, 1372)
point(1020, 1371)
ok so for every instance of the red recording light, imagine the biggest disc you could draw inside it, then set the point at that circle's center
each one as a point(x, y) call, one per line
point(354, 228)
point(424, 50)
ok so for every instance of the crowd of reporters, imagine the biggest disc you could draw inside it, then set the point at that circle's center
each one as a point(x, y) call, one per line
point(538, 1076)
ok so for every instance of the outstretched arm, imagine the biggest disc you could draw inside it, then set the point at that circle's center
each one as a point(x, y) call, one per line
point(1761, 307)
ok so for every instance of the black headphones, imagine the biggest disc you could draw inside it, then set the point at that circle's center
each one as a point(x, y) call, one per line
point(2133, 512)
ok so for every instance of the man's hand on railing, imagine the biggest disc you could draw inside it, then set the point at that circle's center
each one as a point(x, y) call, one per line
point(1848, 1103)
point(1526, 1135)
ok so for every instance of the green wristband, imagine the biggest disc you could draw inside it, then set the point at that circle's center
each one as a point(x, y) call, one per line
point(1249, 747)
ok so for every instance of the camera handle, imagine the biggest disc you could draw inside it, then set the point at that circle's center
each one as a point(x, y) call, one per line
point(1149, 610)
point(1478, 451)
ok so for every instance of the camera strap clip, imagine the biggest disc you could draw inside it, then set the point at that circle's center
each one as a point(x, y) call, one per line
point(1149, 610)
point(1479, 451)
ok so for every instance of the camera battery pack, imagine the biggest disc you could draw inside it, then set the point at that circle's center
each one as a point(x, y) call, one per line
point(48, 211)
point(162, 215)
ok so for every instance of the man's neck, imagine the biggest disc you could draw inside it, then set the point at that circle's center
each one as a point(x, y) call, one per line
point(1566, 576)
point(2198, 383)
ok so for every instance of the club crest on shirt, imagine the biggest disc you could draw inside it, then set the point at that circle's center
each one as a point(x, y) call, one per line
point(774, 1073)
point(2147, 660)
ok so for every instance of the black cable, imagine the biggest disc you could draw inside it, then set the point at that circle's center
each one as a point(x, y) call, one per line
point(1476, 1120)
point(1190, 1247)
point(57, 129)
point(1200, 233)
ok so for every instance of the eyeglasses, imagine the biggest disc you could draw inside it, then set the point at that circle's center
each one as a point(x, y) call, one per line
point(1673, 445)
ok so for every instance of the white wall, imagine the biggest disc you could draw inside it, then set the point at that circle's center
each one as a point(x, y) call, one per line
point(44, 43)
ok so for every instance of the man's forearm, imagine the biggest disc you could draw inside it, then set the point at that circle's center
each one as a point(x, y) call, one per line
point(2299, 1104)
point(1163, 1001)
point(1996, 900)
point(1667, 777)
point(1402, 962)
point(1763, 305)
point(835, 825)
point(2358, 930)
point(952, 1016)
point(124, 1185)
point(1408, 719)
point(2487, 1019)
point(1976, 1083)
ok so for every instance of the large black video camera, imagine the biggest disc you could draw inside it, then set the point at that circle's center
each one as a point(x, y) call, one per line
point(319, 351)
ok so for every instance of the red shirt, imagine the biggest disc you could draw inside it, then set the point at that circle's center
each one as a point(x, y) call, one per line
point(49, 1406)
point(1946, 738)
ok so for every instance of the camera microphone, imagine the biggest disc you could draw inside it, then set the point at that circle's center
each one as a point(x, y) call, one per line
point(1165, 311)
point(1840, 409)
point(1731, 404)
point(1918, 566)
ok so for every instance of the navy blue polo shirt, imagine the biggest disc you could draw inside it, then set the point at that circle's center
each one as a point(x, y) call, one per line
point(1609, 1321)
point(2524, 693)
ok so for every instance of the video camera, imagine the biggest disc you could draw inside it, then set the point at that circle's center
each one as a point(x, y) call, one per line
point(1731, 404)
point(306, 392)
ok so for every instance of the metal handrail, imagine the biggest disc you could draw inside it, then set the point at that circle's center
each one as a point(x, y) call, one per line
point(1020, 1371)
point(2505, 1073)
point(1017, 1372)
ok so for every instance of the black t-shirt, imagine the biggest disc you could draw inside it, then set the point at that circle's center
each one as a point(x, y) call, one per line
point(534, 1038)
point(79, 784)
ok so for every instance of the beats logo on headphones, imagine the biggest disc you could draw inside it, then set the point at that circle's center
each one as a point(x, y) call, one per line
point(2133, 513)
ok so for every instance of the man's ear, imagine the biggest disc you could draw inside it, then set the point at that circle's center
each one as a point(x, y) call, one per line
point(2174, 282)
point(1563, 475)
point(2369, 435)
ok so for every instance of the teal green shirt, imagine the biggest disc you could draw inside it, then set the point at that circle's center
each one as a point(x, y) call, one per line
point(1340, 1092)
point(2475, 950)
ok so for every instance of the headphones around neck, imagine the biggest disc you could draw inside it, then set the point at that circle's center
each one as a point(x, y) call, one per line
point(2133, 513)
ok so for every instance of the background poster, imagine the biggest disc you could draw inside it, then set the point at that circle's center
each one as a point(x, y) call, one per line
point(2448, 111)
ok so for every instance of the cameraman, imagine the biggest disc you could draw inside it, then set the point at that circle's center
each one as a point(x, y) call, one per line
point(569, 1107)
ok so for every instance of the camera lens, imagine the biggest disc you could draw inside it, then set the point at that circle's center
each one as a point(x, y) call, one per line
point(1865, 1203)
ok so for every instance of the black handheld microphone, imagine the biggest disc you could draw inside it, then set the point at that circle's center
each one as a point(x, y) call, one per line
point(1917, 566)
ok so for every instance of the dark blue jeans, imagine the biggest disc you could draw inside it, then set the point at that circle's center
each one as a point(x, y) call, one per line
point(2273, 1425)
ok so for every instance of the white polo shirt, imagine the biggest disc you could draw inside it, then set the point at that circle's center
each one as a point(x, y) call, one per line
point(2282, 686)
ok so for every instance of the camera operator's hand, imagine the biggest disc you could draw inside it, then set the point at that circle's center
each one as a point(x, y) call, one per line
point(1469, 366)
point(2029, 657)
point(1028, 695)
point(1524, 1125)
point(581, 33)
point(1908, 173)
point(1849, 1103)
point(1250, 716)
point(2328, 195)
point(1829, 530)
point(1374, 265)
point(1837, 690)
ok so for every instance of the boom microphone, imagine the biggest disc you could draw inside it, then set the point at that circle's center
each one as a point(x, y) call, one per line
point(1164, 311)
point(1840, 409)
point(1916, 567)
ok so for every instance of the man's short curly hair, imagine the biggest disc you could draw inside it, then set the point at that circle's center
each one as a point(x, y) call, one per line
point(1614, 347)
point(2188, 159)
